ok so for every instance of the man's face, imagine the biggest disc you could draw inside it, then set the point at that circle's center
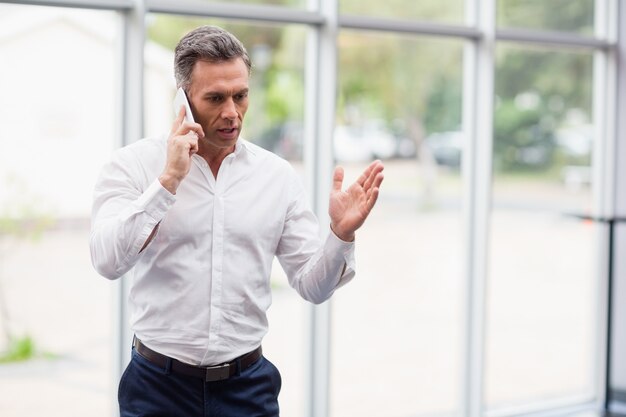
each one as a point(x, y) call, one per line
point(218, 95)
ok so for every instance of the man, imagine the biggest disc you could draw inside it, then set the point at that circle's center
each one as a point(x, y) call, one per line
point(200, 216)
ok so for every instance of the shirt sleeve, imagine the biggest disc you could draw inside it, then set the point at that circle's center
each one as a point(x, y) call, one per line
point(315, 269)
point(125, 212)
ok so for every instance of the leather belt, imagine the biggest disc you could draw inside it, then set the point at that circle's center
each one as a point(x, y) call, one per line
point(207, 373)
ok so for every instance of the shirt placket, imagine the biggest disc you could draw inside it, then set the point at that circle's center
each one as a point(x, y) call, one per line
point(217, 257)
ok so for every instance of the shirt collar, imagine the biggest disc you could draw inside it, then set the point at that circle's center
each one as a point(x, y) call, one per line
point(241, 146)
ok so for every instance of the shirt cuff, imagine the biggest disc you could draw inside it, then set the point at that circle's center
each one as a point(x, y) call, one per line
point(341, 252)
point(155, 200)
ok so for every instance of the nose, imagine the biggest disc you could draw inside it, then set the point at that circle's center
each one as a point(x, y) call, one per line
point(229, 110)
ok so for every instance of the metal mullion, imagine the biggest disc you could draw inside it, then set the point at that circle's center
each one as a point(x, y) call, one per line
point(618, 363)
point(130, 129)
point(264, 13)
point(609, 78)
point(320, 123)
point(477, 173)
point(557, 39)
point(78, 4)
point(347, 21)
point(604, 168)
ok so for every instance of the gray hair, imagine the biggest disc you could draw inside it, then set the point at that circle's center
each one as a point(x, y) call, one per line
point(206, 43)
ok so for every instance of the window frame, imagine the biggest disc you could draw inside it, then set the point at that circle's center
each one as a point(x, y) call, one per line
point(481, 36)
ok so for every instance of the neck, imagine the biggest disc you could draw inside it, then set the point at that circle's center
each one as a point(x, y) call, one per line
point(214, 155)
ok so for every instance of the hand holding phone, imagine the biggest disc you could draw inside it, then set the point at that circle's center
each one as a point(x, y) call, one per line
point(182, 144)
point(181, 100)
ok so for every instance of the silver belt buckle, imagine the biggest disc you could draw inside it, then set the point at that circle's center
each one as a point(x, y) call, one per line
point(217, 373)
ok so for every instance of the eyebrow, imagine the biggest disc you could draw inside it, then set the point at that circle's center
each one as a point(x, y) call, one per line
point(220, 93)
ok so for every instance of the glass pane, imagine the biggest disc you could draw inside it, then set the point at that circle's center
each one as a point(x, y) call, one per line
point(404, 307)
point(572, 16)
point(442, 10)
point(540, 343)
point(57, 127)
point(274, 120)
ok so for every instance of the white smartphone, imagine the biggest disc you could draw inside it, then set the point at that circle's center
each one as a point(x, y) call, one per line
point(181, 100)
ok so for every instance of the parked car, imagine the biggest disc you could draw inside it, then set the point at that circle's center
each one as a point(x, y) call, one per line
point(363, 143)
point(446, 147)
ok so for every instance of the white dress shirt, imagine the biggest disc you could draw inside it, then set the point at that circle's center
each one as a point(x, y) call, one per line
point(201, 288)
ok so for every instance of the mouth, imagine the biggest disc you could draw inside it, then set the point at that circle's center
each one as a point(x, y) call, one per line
point(228, 133)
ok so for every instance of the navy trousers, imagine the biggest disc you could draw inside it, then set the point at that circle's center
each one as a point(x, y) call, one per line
point(147, 390)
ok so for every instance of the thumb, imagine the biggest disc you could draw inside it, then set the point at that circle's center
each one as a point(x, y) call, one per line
point(338, 179)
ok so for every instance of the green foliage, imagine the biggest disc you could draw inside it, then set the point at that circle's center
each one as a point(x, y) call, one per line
point(441, 10)
point(523, 139)
point(284, 96)
point(564, 75)
point(416, 81)
point(444, 105)
point(21, 349)
point(562, 15)
point(555, 83)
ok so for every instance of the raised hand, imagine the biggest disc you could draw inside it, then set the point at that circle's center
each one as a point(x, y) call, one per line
point(181, 145)
point(348, 209)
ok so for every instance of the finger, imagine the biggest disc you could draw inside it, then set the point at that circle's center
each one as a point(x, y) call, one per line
point(186, 127)
point(193, 144)
point(197, 127)
point(338, 179)
point(188, 141)
point(378, 180)
point(375, 188)
point(371, 201)
point(363, 177)
point(178, 120)
point(374, 169)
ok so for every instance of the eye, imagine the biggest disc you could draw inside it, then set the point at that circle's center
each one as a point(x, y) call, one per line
point(214, 99)
point(241, 96)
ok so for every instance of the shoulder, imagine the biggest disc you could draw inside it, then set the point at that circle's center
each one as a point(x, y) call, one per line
point(139, 161)
point(266, 159)
point(143, 149)
point(145, 154)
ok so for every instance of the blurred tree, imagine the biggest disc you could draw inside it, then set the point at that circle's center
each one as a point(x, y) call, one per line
point(416, 81)
point(559, 15)
point(444, 104)
point(523, 139)
point(441, 10)
point(536, 89)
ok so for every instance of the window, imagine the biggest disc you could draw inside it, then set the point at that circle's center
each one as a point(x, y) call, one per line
point(58, 72)
point(444, 226)
point(557, 15)
point(400, 101)
point(541, 317)
point(445, 10)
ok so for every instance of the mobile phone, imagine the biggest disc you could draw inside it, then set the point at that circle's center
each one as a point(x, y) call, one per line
point(181, 100)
